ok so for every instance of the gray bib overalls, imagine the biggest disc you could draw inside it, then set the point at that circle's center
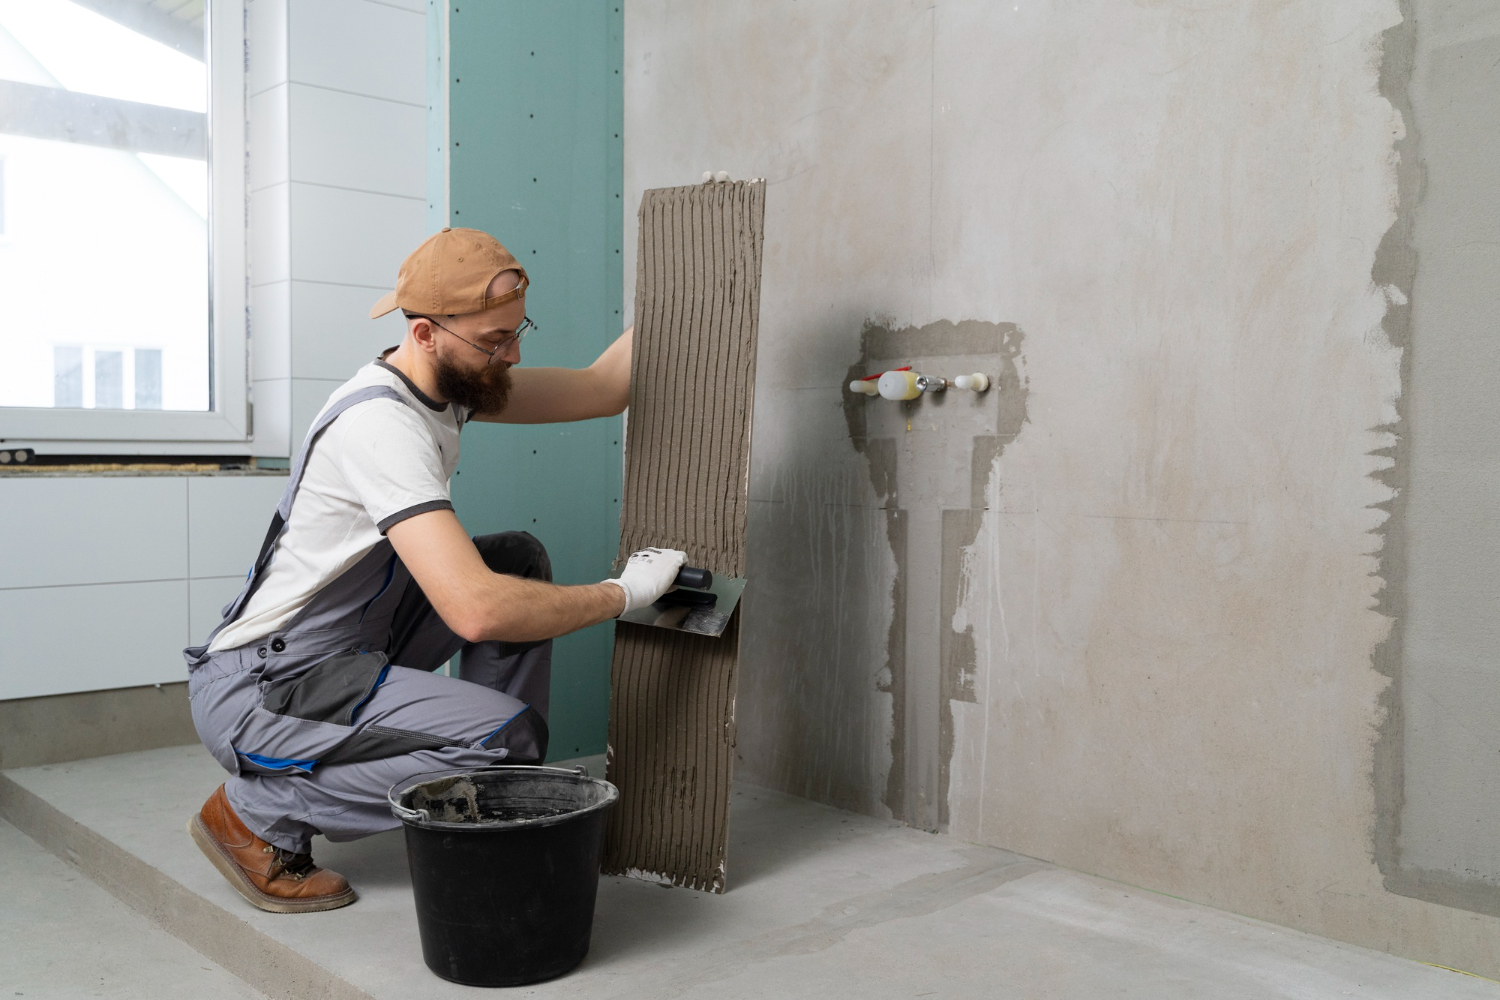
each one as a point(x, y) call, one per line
point(317, 720)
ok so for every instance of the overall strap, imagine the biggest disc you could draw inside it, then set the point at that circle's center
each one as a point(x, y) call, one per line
point(284, 508)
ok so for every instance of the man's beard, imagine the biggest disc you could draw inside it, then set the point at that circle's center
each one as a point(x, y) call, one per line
point(484, 391)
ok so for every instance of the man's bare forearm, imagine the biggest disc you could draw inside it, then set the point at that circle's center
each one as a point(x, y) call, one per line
point(514, 609)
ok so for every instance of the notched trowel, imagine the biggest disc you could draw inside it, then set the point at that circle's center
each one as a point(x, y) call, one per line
point(701, 604)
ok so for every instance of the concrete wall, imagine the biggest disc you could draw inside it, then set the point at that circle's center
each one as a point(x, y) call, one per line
point(1128, 613)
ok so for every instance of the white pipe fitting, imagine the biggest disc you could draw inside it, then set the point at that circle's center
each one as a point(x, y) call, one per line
point(899, 385)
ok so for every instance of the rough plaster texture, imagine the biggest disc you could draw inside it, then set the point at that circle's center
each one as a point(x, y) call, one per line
point(1173, 595)
point(687, 468)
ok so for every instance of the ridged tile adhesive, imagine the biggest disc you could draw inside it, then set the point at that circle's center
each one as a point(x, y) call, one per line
point(687, 470)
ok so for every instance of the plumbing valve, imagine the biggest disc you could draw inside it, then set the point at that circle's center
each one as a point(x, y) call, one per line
point(904, 384)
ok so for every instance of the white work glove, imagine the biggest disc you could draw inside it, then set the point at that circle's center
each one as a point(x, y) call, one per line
point(648, 574)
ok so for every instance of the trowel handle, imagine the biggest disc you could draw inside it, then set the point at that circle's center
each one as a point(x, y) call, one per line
point(692, 576)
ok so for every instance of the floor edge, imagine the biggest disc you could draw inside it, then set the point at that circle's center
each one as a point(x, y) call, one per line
point(260, 961)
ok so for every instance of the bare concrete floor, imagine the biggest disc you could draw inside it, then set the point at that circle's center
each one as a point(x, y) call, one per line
point(62, 936)
point(821, 904)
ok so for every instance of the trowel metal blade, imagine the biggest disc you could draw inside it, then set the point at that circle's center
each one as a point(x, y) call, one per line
point(700, 621)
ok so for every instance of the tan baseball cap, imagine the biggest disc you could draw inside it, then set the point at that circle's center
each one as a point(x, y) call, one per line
point(449, 273)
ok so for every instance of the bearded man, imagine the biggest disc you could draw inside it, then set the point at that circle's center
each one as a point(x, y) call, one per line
point(316, 692)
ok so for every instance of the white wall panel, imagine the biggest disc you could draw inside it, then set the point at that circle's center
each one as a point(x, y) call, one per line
point(268, 137)
point(351, 237)
point(227, 519)
point(360, 47)
point(332, 333)
point(308, 397)
point(270, 246)
point(93, 530)
point(63, 639)
point(357, 142)
point(206, 601)
point(266, 38)
point(271, 330)
point(273, 414)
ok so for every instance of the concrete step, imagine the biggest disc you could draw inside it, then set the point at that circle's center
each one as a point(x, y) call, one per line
point(821, 904)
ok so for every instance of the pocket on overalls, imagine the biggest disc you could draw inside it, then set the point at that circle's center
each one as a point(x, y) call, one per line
point(332, 691)
point(331, 694)
point(303, 719)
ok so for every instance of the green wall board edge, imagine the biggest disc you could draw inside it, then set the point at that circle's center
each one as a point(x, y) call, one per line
point(533, 150)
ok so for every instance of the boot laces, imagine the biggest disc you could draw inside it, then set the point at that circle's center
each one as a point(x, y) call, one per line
point(283, 862)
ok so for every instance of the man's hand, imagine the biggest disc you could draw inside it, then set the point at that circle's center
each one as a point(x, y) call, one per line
point(647, 575)
point(478, 603)
point(554, 395)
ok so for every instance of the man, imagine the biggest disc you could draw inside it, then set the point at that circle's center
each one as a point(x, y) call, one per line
point(316, 691)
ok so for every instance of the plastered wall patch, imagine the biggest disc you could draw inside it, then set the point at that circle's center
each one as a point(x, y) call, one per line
point(931, 461)
point(687, 465)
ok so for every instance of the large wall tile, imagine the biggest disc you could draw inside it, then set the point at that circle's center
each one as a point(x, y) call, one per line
point(206, 602)
point(266, 42)
point(63, 639)
point(360, 47)
point(271, 330)
point(332, 333)
point(357, 142)
point(268, 137)
point(353, 238)
point(308, 397)
point(93, 530)
point(270, 244)
point(227, 518)
point(273, 414)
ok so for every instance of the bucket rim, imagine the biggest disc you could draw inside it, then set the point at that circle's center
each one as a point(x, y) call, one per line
point(422, 819)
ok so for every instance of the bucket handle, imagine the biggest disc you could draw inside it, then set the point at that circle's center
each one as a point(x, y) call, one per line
point(423, 816)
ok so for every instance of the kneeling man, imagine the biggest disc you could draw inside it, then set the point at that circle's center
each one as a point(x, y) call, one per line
point(316, 692)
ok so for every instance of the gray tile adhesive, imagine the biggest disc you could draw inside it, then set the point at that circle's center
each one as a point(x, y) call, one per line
point(687, 470)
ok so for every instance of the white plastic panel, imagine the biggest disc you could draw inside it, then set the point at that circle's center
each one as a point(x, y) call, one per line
point(308, 397)
point(351, 237)
point(360, 47)
point(357, 142)
point(88, 638)
point(266, 30)
point(227, 519)
point(270, 244)
point(268, 138)
point(92, 530)
point(206, 601)
point(332, 334)
point(271, 330)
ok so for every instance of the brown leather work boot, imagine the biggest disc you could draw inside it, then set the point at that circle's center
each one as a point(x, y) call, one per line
point(271, 878)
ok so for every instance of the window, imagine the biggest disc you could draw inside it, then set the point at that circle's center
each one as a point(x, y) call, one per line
point(122, 255)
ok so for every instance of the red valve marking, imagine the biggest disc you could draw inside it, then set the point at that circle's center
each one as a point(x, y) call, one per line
point(871, 378)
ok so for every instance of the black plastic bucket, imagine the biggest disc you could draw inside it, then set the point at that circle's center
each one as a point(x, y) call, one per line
point(504, 868)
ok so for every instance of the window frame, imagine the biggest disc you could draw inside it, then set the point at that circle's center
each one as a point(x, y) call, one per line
point(226, 428)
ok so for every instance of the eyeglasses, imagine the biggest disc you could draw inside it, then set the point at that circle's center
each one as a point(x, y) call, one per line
point(527, 326)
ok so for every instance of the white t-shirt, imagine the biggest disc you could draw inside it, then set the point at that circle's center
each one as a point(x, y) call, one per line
point(378, 463)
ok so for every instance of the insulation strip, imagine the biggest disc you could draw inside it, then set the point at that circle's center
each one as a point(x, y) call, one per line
point(687, 470)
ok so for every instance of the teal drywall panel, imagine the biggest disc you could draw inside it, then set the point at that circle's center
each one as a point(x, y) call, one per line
point(535, 112)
